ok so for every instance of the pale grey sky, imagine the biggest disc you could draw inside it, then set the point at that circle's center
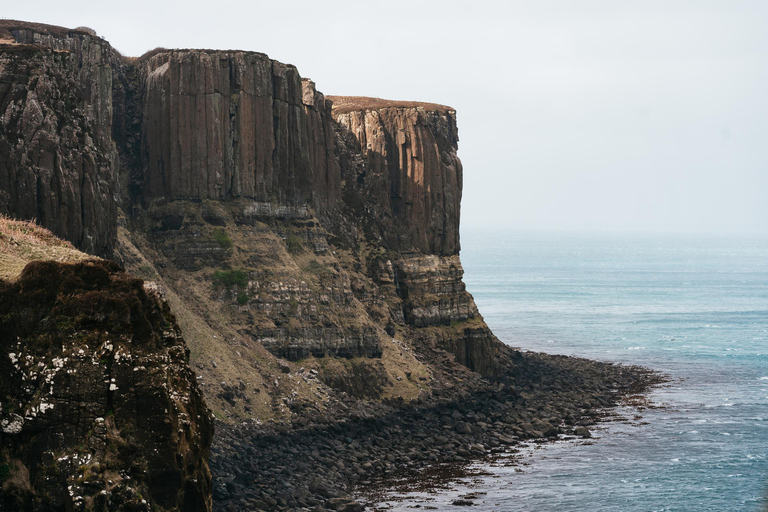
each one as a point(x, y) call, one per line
point(642, 115)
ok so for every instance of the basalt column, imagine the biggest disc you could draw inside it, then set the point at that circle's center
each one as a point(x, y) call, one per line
point(222, 125)
point(403, 181)
point(58, 163)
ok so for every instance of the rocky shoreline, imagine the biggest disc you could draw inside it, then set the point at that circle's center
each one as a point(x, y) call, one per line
point(322, 461)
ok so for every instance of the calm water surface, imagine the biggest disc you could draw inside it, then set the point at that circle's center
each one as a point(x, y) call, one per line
point(693, 307)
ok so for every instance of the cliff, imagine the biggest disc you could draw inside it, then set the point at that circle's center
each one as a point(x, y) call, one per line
point(308, 247)
point(409, 173)
point(222, 125)
point(58, 162)
point(98, 408)
point(312, 226)
point(402, 181)
point(304, 247)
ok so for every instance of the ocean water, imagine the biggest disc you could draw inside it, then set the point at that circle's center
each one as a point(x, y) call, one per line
point(692, 307)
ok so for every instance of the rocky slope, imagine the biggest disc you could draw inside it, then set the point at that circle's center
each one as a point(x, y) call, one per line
point(98, 407)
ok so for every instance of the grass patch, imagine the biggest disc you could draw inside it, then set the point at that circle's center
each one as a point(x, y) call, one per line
point(293, 243)
point(242, 298)
point(317, 268)
point(230, 278)
point(221, 236)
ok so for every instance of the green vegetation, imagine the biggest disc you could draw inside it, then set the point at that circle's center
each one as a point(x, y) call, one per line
point(317, 268)
point(230, 278)
point(221, 236)
point(242, 298)
point(293, 243)
point(293, 306)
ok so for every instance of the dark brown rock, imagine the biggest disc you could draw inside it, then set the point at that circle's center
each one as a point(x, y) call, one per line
point(222, 125)
point(401, 169)
point(58, 162)
point(99, 407)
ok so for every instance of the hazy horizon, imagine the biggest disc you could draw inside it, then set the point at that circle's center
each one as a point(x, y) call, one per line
point(598, 116)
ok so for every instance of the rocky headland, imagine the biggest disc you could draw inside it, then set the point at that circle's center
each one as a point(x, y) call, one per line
point(305, 246)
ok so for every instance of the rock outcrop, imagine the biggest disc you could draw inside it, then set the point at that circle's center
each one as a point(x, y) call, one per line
point(401, 166)
point(222, 125)
point(58, 162)
point(99, 408)
point(311, 226)
point(403, 181)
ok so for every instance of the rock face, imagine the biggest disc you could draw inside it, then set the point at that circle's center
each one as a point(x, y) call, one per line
point(281, 222)
point(99, 408)
point(409, 176)
point(58, 162)
point(403, 183)
point(433, 291)
point(222, 125)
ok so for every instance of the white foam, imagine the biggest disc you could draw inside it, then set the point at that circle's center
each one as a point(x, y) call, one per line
point(763, 378)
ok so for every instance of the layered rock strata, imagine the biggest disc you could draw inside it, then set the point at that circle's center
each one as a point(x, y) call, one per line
point(403, 182)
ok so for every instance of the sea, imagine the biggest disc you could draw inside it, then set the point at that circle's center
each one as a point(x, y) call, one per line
point(694, 307)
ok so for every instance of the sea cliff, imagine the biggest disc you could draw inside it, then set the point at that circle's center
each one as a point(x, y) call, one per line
point(308, 247)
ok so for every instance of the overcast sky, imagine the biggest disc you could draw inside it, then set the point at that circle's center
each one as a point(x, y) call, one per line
point(573, 114)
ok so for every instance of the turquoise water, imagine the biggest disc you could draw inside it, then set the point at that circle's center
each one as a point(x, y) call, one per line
point(693, 307)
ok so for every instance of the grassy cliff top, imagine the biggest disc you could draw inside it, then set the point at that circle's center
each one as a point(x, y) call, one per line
point(344, 104)
point(23, 241)
point(6, 26)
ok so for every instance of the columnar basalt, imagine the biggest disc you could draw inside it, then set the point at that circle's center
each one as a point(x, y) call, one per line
point(403, 181)
point(410, 172)
point(231, 164)
point(222, 125)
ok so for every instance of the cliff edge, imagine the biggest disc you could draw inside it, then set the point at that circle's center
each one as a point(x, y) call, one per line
point(98, 407)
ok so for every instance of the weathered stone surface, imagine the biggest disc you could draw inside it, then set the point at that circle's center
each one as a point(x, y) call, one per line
point(403, 184)
point(222, 125)
point(214, 144)
point(99, 408)
point(58, 163)
point(401, 171)
point(295, 344)
point(433, 291)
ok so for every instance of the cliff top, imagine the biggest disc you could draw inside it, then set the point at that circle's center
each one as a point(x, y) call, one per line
point(344, 104)
point(22, 242)
point(157, 51)
point(7, 37)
